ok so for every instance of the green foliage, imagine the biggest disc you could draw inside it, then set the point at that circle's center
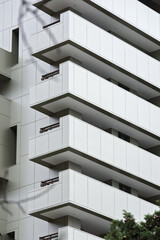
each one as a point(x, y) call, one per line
point(129, 229)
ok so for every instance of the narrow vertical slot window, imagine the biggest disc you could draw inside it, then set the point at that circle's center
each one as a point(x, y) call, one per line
point(14, 144)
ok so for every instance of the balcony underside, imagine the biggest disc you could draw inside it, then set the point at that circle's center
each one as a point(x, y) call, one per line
point(104, 19)
point(98, 117)
point(88, 218)
point(97, 169)
point(4, 77)
point(70, 50)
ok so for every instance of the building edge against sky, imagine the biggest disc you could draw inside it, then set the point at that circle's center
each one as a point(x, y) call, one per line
point(79, 116)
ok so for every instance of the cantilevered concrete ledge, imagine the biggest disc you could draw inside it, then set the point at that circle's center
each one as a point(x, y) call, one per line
point(71, 209)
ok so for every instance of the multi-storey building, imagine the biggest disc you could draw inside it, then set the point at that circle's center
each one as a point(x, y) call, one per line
point(79, 116)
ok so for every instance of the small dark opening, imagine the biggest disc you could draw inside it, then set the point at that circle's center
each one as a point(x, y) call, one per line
point(15, 46)
point(11, 236)
point(124, 136)
point(153, 4)
point(124, 188)
point(14, 144)
point(124, 87)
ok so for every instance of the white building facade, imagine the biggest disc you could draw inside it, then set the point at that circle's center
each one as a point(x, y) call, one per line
point(79, 116)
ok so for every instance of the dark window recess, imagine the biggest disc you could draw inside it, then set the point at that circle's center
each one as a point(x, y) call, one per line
point(153, 4)
point(124, 136)
point(51, 24)
point(10, 236)
point(15, 46)
point(124, 87)
point(49, 75)
point(124, 188)
point(50, 181)
point(14, 144)
point(49, 237)
point(50, 127)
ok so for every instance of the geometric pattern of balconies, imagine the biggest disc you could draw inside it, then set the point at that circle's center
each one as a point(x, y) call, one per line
point(91, 61)
point(107, 55)
point(79, 89)
point(91, 148)
point(132, 19)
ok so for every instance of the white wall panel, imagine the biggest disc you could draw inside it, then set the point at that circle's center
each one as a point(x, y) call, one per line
point(155, 166)
point(81, 82)
point(43, 39)
point(106, 44)
point(134, 206)
point(94, 197)
point(42, 91)
point(119, 7)
point(118, 51)
point(7, 14)
point(93, 37)
point(56, 33)
point(142, 65)
point(55, 140)
point(108, 200)
point(107, 147)
point(93, 88)
point(107, 4)
point(41, 198)
point(132, 159)
point(1, 16)
point(154, 23)
point(119, 101)
point(130, 58)
point(144, 164)
point(54, 194)
point(81, 31)
point(80, 139)
point(42, 144)
point(131, 11)
point(81, 192)
point(154, 119)
point(131, 107)
point(67, 191)
point(55, 86)
point(106, 95)
point(154, 70)
point(94, 143)
point(143, 113)
point(120, 204)
point(119, 153)
point(80, 236)
point(146, 208)
point(142, 13)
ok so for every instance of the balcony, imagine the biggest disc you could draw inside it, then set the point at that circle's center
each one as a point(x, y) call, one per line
point(68, 233)
point(125, 63)
point(130, 19)
point(100, 102)
point(100, 155)
point(74, 195)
